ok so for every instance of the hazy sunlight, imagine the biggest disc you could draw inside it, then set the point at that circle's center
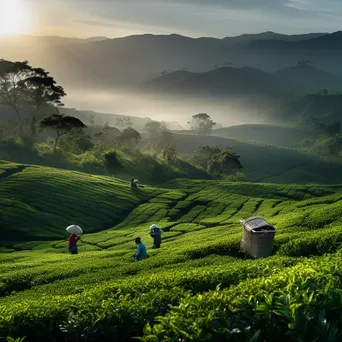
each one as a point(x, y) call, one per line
point(13, 17)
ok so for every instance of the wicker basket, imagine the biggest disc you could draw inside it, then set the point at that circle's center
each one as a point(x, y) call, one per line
point(257, 237)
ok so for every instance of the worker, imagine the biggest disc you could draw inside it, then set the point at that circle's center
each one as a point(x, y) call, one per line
point(134, 184)
point(155, 233)
point(141, 252)
point(73, 238)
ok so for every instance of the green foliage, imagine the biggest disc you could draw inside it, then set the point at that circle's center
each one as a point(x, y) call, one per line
point(215, 161)
point(159, 137)
point(223, 163)
point(112, 163)
point(62, 125)
point(197, 286)
point(24, 86)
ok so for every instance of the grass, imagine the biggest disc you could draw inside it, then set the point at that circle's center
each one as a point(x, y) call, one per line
point(198, 286)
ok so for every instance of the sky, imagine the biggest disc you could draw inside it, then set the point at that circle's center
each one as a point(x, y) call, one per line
point(215, 18)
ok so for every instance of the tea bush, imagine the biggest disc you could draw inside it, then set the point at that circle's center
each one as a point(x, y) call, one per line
point(197, 287)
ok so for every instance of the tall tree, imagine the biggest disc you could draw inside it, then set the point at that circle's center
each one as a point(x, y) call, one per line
point(41, 90)
point(11, 91)
point(201, 123)
point(62, 125)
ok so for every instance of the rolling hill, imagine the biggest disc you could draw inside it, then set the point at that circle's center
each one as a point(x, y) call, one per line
point(126, 62)
point(198, 284)
point(281, 135)
point(268, 163)
point(32, 199)
point(245, 82)
point(332, 41)
point(325, 108)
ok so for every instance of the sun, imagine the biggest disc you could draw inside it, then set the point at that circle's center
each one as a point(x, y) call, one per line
point(14, 17)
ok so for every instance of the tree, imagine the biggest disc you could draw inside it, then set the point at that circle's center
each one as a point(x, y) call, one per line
point(11, 90)
point(215, 161)
point(323, 129)
point(62, 125)
point(107, 137)
point(202, 123)
point(169, 153)
point(223, 163)
point(112, 162)
point(41, 91)
point(203, 154)
point(78, 142)
point(154, 130)
point(129, 136)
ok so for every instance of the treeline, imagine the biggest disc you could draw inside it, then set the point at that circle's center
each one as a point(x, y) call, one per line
point(327, 142)
point(38, 123)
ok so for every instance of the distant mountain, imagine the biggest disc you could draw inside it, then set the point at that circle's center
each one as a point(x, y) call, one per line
point(96, 39)
point(126, 62)
point(225, 81)
point(230, 81)
point(309, 79)
point(269, 35)
point(332, 41)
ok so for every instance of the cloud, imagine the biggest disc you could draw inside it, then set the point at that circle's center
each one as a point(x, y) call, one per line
point(199, 17)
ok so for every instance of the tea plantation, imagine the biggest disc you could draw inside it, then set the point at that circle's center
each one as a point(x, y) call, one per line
point(197, 287)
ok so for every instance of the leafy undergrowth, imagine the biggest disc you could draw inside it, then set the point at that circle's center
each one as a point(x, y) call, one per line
point(148, 167)
point(197, 287)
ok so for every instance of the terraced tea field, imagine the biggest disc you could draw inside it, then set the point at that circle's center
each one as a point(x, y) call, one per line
point(197, 287)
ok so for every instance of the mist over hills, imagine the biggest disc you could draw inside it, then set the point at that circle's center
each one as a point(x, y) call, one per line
point(253, 74)
point(228, 81)
point(132, 60)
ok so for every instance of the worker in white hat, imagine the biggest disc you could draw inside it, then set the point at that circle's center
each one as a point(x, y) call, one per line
point(155, 233)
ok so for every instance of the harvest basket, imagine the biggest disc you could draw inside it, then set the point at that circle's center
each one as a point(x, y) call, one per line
point(257, 237)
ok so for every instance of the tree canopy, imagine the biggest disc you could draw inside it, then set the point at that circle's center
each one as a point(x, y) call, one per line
point(201, 123)
point(112, 162)
point(22, 85)
point(61, 124)
point(216, 161)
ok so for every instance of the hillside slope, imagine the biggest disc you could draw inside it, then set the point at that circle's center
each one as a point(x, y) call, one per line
point(325, 108)
point(285, 136)
point(229, 81)
point(269, 163)
point(47, 295)
point(40, 202)
point(112, 62)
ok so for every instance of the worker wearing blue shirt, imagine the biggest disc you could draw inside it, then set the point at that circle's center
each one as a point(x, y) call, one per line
point(141, 252)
